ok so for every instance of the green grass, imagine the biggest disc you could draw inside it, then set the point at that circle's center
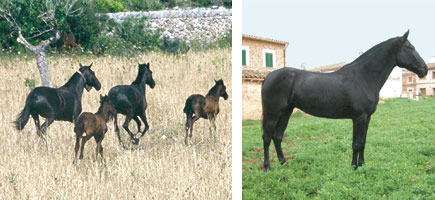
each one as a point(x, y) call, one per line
point(399, 157)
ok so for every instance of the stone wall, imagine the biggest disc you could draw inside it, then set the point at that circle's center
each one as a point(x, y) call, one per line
point(201, 24)
point(251, 100)
point(256, 48)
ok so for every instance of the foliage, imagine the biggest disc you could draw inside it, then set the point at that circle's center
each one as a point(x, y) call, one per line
point(399, 157)
point(174, 46)
point(109, 6)
point(29, 82)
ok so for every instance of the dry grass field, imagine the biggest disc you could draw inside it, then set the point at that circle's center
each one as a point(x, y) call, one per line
point(163, 169)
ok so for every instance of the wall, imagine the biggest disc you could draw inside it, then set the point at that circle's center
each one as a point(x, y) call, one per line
point(393, 86)
point(202, 24)
point(256, 52)
point(251, 100)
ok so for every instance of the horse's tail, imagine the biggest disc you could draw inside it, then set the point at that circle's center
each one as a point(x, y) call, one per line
point(188, 106)
point(23, 117)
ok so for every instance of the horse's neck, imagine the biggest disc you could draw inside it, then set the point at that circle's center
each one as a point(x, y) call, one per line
point(140, 87)
point(75, 84)
point(213, 96)
point(104, 114)
point(377, 70)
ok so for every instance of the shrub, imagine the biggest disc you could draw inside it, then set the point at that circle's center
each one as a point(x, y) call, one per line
point(174, 46)
point(106, 6)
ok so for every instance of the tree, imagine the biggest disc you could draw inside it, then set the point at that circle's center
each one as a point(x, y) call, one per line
point(39, 21)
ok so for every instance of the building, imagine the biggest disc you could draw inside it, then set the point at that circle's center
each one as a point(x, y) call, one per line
point(409, 81)
point(258, 52)
point(420, 86)
point(391, 89)
point(259, 57)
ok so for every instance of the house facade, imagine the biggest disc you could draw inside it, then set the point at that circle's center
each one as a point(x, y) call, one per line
point(420, 86)
point(258, 52)
point(259, 57)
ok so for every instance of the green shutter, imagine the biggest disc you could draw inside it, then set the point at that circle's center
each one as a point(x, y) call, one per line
point(243, 57)
point(269, 60)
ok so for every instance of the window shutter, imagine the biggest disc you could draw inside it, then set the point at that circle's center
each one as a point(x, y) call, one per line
point(269, 60)
point(243, 57)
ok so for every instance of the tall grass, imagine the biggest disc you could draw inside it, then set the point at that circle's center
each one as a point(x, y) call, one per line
point(164, 169)
point(399, 156)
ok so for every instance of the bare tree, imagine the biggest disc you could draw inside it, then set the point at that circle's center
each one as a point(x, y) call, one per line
point(49, 13)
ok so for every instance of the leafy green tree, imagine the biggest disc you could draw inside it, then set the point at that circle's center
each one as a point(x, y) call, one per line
point(38, 22)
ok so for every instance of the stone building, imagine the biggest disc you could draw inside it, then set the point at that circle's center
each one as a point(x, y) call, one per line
point(420, 86)
point(259, 57)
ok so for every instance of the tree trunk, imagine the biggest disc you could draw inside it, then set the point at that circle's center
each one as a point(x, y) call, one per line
point(44, 71)
point(40, 53)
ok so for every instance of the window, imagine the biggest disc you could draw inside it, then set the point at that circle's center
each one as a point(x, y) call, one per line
point(269, 58)
point(410, 90)
point(433, 75)
point(245, 56)
point(423, 91)
point(410, 79)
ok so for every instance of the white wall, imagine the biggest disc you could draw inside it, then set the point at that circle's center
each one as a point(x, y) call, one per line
point(393, 86)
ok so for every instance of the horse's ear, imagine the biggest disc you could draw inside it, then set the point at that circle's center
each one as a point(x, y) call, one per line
point(80, 64)
point(405, 36)
point(91, 64)
point(101, 97)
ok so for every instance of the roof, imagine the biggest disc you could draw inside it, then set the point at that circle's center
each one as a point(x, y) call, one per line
point(256, 73)
point(328, 68)
point(430, 65)
point(264, 39)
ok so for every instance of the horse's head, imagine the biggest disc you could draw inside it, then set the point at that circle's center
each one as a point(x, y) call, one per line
point(408, 58)
point(107, 107)
point(91, 79)
point(147, 74)
point(223, 89)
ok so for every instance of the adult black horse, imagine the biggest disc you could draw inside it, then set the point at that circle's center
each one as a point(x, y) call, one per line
point(63, 104)
point(351, 92)
point(130, 100)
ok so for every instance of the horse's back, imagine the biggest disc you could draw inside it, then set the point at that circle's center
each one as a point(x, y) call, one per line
point(88, 123)
point(43, 100)
point(193, 103)
point(124, 98)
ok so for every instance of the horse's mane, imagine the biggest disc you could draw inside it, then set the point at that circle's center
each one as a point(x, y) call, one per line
point(368, 55)
point(213, 90)
point(72, 80)
point(139, 76)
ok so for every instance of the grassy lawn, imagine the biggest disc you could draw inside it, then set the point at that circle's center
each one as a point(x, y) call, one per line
point(399, 157)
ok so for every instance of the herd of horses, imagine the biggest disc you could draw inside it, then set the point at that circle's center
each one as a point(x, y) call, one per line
point(65, 104)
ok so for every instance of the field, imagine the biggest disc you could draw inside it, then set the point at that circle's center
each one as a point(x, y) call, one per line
point(399, 157)
point(163, 169)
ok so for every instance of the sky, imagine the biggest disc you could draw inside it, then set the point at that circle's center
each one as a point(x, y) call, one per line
point(332, 31)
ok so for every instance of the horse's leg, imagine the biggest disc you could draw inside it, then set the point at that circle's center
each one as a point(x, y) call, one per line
point(361, 153)
point(98, 149)
point(193, 120)
point(125, 126)
point(137, 123)
point(84, 140)
point(186, 127)
point(76, 148)
point(46, 124)
point(359, 129)
point(115, 124)
point(269, 125)
point(143, 117)
point(279, 132)
point(38, 126)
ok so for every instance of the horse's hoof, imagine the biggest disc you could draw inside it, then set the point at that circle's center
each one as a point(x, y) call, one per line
point(361, 163)
point(135, 141)
point(354, 166)
point(284, 163)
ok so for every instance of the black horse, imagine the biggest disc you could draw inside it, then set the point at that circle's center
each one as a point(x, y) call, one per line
point(351, 92)
point(62, 104)
point(198, 106)
point(130, 101)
